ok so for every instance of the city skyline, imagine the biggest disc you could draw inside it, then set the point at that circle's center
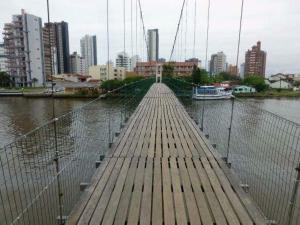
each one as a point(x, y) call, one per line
point(223, 32)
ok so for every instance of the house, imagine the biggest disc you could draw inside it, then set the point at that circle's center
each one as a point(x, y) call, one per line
point(281, 84)
point(243, 89)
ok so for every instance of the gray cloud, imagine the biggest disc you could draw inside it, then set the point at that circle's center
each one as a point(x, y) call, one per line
point(276, 23)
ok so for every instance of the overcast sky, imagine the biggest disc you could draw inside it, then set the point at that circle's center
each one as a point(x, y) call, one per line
point(276, 23)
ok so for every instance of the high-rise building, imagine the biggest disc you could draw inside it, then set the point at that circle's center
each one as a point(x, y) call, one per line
point(77, 64)
point(232, 70)
point(57, 60)
point(217, 63)
point(3, 58)
point(123, 61)
point(134, 60)
point(153, 45)
point(242, 71)
point(255, 62)
point(23, 44)
point(88, 45)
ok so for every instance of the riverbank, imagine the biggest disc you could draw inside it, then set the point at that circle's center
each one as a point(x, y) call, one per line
point(271, 94)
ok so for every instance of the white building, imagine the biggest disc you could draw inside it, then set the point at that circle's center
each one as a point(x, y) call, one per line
point(23, 45)
point(88, 46)
point(153, 44)
point(78, 64)
point(134, 60)
point(123, 61)
point(218, 63)
point(105, 72)
point(281, 84)
point(242, 71)
point(2, 58)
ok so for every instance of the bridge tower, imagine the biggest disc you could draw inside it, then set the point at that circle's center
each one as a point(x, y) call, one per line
point(158, 73)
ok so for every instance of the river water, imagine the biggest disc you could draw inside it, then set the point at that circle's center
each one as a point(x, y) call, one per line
point(21, 115)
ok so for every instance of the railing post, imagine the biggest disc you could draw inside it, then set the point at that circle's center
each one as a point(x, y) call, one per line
point(203, 111)
point(56, 160)
point(294, 197)
point(230, 129)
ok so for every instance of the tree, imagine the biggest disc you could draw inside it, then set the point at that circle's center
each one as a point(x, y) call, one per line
point(256, 81)
point(224, 76)
point(34, 81)
point(168, 70)
point(4, 79)
point(111, 84)
point(200, 76)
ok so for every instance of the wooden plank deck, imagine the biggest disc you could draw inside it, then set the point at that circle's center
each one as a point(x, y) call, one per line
point(162, 171)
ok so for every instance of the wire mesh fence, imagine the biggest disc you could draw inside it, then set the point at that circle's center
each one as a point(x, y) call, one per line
point(262, 148)
point(43, 172)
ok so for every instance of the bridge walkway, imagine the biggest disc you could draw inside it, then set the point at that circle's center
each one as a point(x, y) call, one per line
point(162, 170)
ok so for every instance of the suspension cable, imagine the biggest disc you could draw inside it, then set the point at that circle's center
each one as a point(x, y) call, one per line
point(239, 41)
point(144, 30)
point(176, 34)
point(131, 25)
point(186, 29)
point(136, 27)
point(207, 33)
point(124, 28)
point(107, 35)
point(195, 26)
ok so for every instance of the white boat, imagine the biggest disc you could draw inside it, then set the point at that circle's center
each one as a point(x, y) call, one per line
point(211, 93)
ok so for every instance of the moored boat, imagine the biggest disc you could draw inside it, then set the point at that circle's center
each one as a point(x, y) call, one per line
point(211, 93)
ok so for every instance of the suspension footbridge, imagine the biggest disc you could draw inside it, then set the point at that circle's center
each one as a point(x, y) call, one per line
point(162, 171)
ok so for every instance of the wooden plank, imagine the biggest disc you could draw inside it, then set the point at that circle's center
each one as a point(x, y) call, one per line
point(165, 147)
point(192, 208)
point(151, 149)
point(80, 206)
point(105, 197)
point(157, 215)
point(210, 195)
point(110, 212)
point(145, 218)
point(169, 215)
point(203, 205)
point(122, 211)
point(180, 212)
point(89, 209)
point(223, 200)
point(143, 131)
point(134, 211)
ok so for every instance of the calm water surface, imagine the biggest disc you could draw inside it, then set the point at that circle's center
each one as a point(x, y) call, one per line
point(20, 115)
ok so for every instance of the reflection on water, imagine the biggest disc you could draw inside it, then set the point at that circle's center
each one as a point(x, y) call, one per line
point(21, 115)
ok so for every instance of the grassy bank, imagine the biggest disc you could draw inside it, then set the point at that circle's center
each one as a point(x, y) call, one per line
point(271, 94)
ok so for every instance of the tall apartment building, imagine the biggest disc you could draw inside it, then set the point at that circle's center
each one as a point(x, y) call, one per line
point(57, 60)
point(232, 70)
point(153, 45)
point(77, 64)
point(255, 62)
point(3, 58)
point(23, 44)
point(123, 61)
point(217, 63)
point(88, 45)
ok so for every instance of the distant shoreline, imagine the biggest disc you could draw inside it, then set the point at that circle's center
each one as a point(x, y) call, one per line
point(271, 94)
